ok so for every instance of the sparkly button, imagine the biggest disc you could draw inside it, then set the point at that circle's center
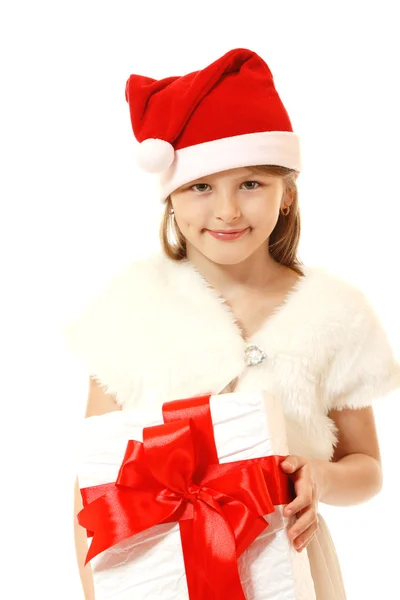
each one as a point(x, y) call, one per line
point(254, 355)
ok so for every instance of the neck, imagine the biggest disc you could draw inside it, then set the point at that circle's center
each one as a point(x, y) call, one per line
point(257, 272)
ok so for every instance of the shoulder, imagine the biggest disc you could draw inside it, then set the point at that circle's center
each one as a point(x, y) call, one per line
point(359, 363)
point(328, 313)
point(107, 334)
point(123, 313)
point(335, 300)
point(137, 282)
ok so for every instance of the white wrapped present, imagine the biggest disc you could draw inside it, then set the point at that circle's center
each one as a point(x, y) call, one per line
point(150, 564)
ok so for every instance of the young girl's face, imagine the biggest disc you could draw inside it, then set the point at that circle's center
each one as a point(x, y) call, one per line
point(235, 199)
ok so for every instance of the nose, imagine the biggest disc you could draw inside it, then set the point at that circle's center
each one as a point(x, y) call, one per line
point(226, 206)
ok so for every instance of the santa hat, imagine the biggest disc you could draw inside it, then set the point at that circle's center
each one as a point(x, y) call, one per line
point(225, 116)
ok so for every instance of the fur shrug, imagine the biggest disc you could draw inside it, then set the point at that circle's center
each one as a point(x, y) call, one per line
point(158, 331)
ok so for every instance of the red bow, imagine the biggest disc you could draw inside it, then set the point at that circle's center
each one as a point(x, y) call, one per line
point(174, 475)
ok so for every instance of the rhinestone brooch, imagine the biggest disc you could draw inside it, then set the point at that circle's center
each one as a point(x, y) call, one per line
point(254, 355)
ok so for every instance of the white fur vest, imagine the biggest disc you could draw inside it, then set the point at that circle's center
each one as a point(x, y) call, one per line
point(158, 331)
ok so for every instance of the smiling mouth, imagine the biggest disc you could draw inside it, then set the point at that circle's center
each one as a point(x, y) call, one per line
point(228, 235)
point(228, 230)
point(225, 231)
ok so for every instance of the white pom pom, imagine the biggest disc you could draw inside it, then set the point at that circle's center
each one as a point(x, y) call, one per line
point(154, 155)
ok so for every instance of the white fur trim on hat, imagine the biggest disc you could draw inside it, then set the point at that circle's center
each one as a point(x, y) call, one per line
point(262, 148)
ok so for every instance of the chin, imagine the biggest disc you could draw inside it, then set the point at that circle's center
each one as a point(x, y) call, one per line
point(228, 255)
point(228, 261)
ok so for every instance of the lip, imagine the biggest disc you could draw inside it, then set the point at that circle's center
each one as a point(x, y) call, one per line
point(231, 234)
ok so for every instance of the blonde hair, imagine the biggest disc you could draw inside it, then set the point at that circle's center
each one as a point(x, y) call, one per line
point(283, 241)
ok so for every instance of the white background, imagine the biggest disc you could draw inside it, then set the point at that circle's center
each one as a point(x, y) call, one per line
point(75, 210)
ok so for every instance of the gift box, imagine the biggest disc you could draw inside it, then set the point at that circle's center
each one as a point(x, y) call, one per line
point(187, 502)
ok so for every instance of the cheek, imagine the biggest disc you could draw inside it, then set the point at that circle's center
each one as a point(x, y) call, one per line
point(191, 217)
point(261, 216)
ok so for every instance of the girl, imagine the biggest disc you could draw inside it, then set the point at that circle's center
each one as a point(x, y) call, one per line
point(227, 306)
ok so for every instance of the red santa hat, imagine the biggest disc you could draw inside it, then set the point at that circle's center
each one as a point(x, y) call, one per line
point(225, 116)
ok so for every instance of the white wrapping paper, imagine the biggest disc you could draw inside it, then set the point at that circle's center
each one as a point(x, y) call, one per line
point(150, 565)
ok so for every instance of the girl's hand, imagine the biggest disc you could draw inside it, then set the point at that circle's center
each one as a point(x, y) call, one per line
point(307, 478)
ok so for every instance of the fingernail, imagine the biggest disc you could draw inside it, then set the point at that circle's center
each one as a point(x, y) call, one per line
point(286, 464)
point(299, 546)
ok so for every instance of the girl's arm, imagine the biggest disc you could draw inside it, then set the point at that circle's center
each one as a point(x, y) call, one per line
point(353, 476)
point(355, 473)
point(81, 548)
point(98, 403)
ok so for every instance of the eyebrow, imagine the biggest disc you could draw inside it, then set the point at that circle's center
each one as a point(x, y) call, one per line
point(255, 172)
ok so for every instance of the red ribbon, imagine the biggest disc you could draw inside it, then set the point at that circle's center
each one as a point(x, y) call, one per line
point(174, 475)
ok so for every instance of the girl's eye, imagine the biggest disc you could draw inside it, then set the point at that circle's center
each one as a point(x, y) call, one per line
point(200, 187)
point(252, 182)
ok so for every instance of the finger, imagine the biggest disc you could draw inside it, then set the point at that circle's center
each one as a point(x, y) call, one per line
point(302, 500)
point(305, 538)
point(291, 463)
point(300, 527)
